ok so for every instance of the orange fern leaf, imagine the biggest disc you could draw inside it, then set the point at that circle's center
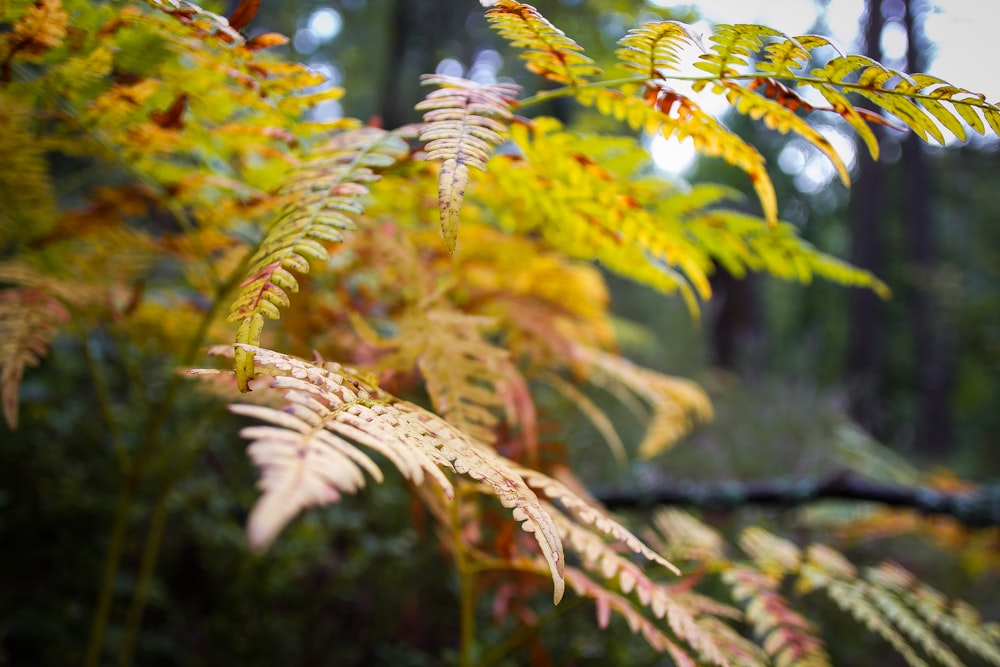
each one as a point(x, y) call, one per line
point(29, 321)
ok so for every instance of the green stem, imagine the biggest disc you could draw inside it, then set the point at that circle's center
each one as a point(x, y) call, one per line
point(466, 588)
point(111, 565)
point(566, 91)
point(149, 451)
point(525, 633)
point(148, 564)
point(102, 393)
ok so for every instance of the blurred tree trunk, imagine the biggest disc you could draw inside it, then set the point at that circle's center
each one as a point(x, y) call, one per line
point(933, 345)
point(737, 318)
point(865, 344)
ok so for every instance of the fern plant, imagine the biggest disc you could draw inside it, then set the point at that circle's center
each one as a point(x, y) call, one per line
point(211, 191)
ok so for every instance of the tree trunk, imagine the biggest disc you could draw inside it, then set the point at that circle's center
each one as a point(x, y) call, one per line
point(934, 358)
point(865, 346)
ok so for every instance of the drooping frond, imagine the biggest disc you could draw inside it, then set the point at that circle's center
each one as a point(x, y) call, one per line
point(323, 194)
point(307, 457)
point(547, 51)
point(29, 321)
point(588, 514)
point(461, 130)
point(678, 405)
point(662, 110)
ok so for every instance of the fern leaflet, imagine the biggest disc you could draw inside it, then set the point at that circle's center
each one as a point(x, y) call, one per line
point(461, 130)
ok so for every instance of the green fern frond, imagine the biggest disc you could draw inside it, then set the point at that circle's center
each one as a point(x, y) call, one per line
point(461, 130)
point(548, 51)
point(955, 620)
point(304, 466)
point(29, 320)
point(323, 194)
point(732, 47)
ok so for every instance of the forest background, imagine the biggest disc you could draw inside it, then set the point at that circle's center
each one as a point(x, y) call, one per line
point(804, 381)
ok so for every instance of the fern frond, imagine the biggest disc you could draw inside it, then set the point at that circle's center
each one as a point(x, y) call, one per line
point(461, 130)
point(27, 201)
point(914, 99)
point(662, 110)
point(678, 405)
point(548, 51)
point(588, 213)
point(654, 48)
point(606, 602)
point(303, 467)
point(588, 514)
point(955, 620)
point(732, 47)
point(323, 194)
point(29, 320)
point(594, 414)
point(687, 538)
point(787, 636)
point(463, 373)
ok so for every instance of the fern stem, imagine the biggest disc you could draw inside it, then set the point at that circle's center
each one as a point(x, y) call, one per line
point(102, 393)
point(526, 632)
point(98, 630)
point(466, 587)
point(150, 551)
point(566, 91)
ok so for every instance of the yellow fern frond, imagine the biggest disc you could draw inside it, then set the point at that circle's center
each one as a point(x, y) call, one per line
point(588, 213)
point(29, 321)
point(662, 110)
point(27, 202)
point(548, 51)
point(307, 457)
point(917, 100)
point(686, 538)
point(323, 194)
point(653, 49)
point(678, 405)
point(732, 47)
point(461, 130)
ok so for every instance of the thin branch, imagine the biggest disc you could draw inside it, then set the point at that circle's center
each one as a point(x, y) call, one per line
point(977, 509)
